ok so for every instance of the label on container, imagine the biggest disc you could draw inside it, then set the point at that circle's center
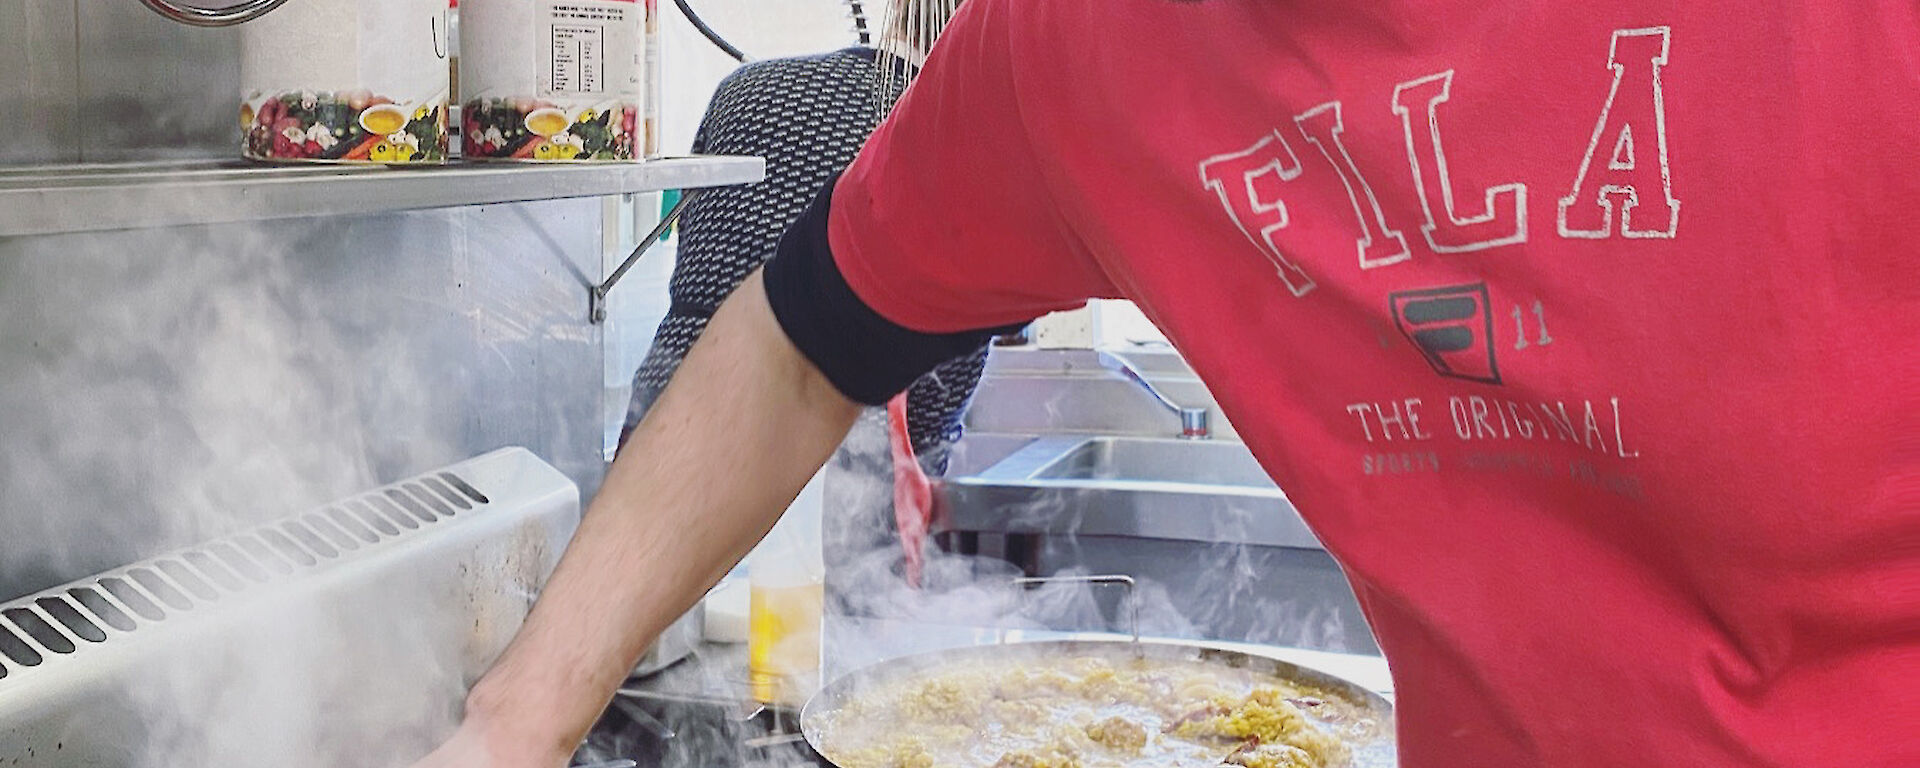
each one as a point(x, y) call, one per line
point(346, 81)
point(593, 47)
point(553, 80)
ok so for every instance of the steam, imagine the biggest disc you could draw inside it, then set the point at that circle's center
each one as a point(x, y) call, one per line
point(199, 394)
point(227, 390)
point(872, 615)
point(1222, 591)
point(298, 690)
point(177, 385)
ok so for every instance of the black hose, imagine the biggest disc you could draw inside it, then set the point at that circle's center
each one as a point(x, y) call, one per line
point(707, 32)
point(860, 22)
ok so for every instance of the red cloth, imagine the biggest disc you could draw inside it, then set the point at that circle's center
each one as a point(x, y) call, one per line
point(912, 492)
point(1583, 334)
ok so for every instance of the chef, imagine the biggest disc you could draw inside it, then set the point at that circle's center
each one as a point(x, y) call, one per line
point(1582, 334)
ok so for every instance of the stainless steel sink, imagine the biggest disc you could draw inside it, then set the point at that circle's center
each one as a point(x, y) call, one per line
point(1194, 490)
point(1134, 460)
point(1069, 466)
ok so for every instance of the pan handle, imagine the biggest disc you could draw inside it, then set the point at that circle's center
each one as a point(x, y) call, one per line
point(1131, 600)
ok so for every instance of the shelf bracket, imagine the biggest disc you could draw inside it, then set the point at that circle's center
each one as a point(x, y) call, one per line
point(597, 296)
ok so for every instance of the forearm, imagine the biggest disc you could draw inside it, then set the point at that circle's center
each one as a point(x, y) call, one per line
point(745, 423)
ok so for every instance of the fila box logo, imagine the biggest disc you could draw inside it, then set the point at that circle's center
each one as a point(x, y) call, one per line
point(1453, 328)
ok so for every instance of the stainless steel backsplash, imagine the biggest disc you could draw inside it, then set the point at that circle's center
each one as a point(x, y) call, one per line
point(153, 381)
point(109, 81)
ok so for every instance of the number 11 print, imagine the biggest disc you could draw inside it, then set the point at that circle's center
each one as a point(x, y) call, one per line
point(1520, 326)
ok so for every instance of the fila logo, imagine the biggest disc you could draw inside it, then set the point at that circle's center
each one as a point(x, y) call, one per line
point(1623, 183)
point(1452, 327)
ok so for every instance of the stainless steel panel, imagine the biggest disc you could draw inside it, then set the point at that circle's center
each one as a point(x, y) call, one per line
point(39, 82)
point(153, 89)
point(39, 200)
point(159, 387)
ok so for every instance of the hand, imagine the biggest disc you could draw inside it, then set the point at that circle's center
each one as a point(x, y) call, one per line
point(464, 750)
point(475, 745)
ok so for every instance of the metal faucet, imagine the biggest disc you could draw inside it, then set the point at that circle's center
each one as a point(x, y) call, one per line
point(1194, 422)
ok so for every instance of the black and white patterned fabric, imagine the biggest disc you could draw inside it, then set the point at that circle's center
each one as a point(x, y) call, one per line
point(808, 117)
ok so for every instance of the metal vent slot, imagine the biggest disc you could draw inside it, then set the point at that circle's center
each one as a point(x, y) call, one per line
point(422, 493)
point(69, 617)
point(467, 490)
point(214, 570)
point(312, 540)
point(371, 516)
point(332, 533)
point(261, 554)
point(407, 502)
point(38, 629)
point(103, 608)
point(17, 649)
point(239, 562)
point(133, 599)
point(161, 589)
point(353, 525)
point(185, 577)
point(285, 546)
point(444, 491)
point(393, 512)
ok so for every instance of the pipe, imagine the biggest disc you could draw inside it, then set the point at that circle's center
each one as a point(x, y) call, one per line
point(706, 31)
point(196, 16)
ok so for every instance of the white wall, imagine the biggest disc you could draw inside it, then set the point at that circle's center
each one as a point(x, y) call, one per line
point(763, 28)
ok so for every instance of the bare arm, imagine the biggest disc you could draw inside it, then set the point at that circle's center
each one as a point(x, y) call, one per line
point(744, 424)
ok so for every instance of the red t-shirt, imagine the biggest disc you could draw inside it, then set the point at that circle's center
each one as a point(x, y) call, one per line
point(1583, 334)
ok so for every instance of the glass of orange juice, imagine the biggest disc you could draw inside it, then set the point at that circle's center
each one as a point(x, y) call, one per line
point(786, 578)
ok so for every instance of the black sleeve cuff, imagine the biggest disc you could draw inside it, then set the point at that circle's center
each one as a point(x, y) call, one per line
point(867, 357)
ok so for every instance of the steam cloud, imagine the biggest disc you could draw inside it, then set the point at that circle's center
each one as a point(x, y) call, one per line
point(191, 389)
point(1230, 595)
point(225, 393)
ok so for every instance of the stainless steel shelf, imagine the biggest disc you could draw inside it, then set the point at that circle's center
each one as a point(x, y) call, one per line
point(43, 200)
